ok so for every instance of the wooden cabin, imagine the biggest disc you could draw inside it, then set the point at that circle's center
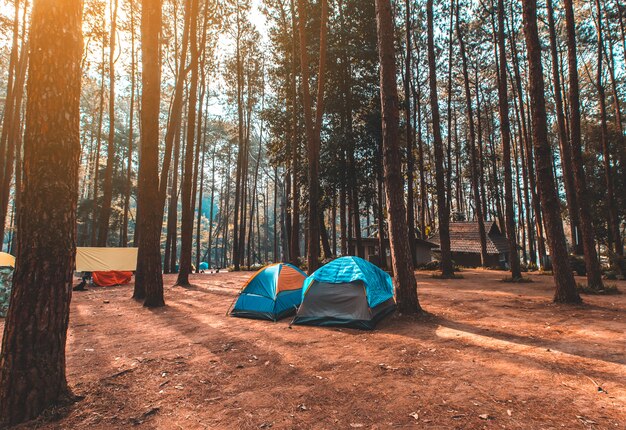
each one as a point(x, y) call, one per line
point(465, 245)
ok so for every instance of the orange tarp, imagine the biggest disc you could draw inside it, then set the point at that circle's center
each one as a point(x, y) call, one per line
point(109, 279)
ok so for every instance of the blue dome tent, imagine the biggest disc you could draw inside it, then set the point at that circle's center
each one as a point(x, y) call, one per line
point(272, 293)
point(347, 292)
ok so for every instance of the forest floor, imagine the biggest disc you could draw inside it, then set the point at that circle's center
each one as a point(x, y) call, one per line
point(488, 354)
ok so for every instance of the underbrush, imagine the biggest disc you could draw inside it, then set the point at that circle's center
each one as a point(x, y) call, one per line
point(440, 276)
point(521, 280)
point(608, 290)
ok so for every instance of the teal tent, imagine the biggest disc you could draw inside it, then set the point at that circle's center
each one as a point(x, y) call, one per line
point(347, 292)
point(272, 293)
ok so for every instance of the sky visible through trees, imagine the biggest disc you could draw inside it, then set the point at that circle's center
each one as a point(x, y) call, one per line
point(248, 158)
point(252, 131)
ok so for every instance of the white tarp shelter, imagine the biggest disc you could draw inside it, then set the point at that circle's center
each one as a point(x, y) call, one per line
point(90, 259)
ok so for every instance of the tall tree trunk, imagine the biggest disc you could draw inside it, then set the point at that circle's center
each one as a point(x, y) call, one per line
point(406, 288)
point(313, 129)
point(563, 277)
point(211, 214)
point(294, 232)
point(564, 144)
point(380, 215)
point(333, 225)
point(245, 167)
point(239, 201)
point(105, 211)
point(176, 110)
point(275, 255)
point(225, 214)
point(7, 113)
point(11, 115)
point(505, 130)
point(96, 174)
point(410, 163)
point(449, 108)
point(14, 141)
point(200, 148)
point(480, 149)
point(131, 123)
point(254, 209)
point(537, 253)
point(472, 147)
point(417, 114)
point(610, 56)
point(447, 269)
point(148, 278)
point(592, 264)
point(613, 222)
point(171, 252)
point(32, 372)
point(199, 220)
point(186, 228)
point(343, 203)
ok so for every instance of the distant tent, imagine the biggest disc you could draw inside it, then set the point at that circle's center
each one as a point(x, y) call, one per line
point(347, 292)
point(111, 278)
point(7, 264)
point(204, 266)
point(108, 266)
point(7, 260)
point(272, 293)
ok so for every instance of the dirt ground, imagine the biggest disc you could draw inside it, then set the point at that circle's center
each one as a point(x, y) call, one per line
point(488, 355)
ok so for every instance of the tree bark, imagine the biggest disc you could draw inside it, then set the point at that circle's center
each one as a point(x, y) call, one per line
point(312, 129)
point(410, 162)
point(176, 111)
point(564, 144)
point(148, 278)
point(7, 113)
point(14, 141)
point(478, 208)
point(171, 254)
point(107, 195)
point(211, 215)
point(532, 200)
point(406, 288)
point(447, 269)
point(294, 231)
point(505, 131)
point(131, 124)
point(239, 186)
point(592, 264)
point(565, 285)
point(96, 167)
point(613, 222)
point(10, 121)
point(186, 228)
point(32, 372)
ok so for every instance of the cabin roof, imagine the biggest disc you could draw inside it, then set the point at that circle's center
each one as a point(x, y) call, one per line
point(465, 237)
